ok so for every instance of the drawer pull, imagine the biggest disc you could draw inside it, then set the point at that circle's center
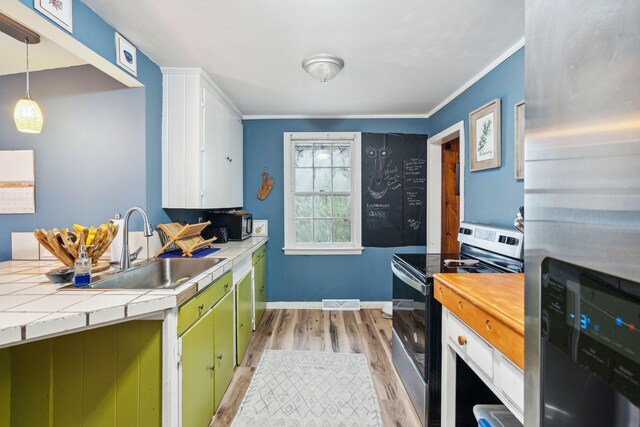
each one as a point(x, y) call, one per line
point(440, 289)
point(460, 304)
point(461, 340)
point(489, 325)
point(226, 286)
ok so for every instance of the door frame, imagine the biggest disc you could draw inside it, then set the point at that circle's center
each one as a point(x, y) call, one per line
point(434, 182)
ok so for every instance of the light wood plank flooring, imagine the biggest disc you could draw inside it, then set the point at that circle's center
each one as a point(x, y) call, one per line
point(364, 331)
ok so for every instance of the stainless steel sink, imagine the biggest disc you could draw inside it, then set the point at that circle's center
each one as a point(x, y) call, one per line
point(168, 273)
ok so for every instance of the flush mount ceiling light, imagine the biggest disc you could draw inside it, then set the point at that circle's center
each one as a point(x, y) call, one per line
point(322, 66)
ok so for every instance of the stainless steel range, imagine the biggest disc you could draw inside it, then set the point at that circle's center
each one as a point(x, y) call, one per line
point(417, 316)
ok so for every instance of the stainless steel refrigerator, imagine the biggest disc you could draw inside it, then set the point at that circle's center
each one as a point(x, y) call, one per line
point(582, 210)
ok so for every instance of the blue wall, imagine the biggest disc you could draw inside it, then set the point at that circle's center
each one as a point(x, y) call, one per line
point(309, 277)
point(491, 196)
point(95, 33)
point(84, 173)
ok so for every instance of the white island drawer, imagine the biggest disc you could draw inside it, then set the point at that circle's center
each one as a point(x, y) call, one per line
point(476, 349)
point(510, 380)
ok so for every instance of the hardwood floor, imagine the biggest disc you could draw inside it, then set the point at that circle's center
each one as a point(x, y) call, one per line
point(364, 331)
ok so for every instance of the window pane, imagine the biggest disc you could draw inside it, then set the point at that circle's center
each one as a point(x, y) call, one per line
point(322, 179)
point(304, 179)
point(342, 206)
point(322, 156)
point(322, 230)
point(341, 155)
point(342, 230)
point(322, 207)
point(342, 179)
point(304, 206)
point(304, 156)
point(304, 232)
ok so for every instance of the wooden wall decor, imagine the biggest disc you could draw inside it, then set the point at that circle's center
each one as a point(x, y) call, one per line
point(267, 185)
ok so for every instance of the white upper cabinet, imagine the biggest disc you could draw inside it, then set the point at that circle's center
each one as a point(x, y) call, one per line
point(201, 143)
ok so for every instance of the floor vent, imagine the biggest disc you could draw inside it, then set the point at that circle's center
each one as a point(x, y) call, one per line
point(341, 304)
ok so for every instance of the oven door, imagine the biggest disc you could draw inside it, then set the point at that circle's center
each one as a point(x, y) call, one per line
point(410, 315)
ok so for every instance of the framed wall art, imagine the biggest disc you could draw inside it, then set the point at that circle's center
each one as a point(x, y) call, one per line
point(126, 55)
point(518, 139)
point(59, 11)
point(484, 137)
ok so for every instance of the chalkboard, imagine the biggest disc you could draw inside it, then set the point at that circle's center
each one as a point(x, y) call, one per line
point(394, 181)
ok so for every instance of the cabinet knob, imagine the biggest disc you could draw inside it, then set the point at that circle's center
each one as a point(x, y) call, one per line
point(226, 286)
point(462, 340)
point(212, 368)
point(230, 159)
point(200, 307)
point(242, 325)
point(220, 357)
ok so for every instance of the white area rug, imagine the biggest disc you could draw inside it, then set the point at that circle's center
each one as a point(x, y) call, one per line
point(305, 389)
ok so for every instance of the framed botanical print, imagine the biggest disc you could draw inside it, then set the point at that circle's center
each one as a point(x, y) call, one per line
point(518, 139)
point(59, 11)
point(484, 136)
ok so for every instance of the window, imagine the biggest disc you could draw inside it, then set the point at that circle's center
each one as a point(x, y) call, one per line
point(322, 193)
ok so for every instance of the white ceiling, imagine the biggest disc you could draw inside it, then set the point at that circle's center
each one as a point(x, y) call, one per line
point(45, 55)
point(401, 57)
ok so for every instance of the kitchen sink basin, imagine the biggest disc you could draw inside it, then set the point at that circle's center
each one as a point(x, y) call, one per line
point(167, 273)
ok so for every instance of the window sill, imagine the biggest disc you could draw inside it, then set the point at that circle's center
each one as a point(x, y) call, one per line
point(323, 251)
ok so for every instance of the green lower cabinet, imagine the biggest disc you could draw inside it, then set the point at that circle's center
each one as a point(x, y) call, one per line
point(223, 346)
point(260, 286)
point(110, 376)
point(243, 313)
point(198, 373)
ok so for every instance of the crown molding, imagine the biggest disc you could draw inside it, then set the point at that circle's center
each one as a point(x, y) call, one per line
point(331, 116)
point(499, 60)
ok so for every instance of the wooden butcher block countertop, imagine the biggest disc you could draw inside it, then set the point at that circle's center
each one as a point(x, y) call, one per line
point(491, 304)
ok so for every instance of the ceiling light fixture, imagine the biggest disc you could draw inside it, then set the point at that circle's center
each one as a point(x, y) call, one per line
point(322, 66)
point(27, 114)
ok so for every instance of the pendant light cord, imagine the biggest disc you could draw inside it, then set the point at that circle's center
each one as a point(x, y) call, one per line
point(26, 40)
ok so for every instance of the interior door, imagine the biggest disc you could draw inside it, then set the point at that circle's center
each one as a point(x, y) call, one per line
point(198, 373)
point(450, 196)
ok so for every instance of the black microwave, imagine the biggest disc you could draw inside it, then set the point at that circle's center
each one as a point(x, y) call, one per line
point(239, 227)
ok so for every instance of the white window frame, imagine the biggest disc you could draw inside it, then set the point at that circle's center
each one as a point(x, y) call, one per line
point(291, 247)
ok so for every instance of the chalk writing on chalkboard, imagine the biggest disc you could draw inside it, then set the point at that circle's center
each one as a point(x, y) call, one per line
point(394, 189)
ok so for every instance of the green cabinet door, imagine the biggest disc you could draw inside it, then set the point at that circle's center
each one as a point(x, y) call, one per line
point(243, 313)
point(198, 373)
point(260, 283)
point(223, 337)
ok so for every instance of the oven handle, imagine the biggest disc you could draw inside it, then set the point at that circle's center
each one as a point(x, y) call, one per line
point(405, 276)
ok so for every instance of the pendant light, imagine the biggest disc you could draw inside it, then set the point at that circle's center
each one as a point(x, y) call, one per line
point(27, 114)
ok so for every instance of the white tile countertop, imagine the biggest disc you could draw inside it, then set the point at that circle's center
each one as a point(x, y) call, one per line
point(32, 307)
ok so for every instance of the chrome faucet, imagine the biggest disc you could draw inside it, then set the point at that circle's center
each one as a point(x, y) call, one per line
point(125, 257)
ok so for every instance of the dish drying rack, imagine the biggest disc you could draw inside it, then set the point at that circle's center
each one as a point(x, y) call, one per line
point(176, 235)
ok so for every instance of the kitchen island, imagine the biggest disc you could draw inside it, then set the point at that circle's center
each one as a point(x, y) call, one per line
point(56, 339)
point(483, 325)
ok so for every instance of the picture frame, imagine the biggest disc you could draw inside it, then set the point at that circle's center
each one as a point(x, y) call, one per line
point(518, 139)
point(59, 11)
point(126, 55)
point(485, 145)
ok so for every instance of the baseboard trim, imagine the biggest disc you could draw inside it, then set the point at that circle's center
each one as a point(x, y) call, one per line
point(315, 305)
